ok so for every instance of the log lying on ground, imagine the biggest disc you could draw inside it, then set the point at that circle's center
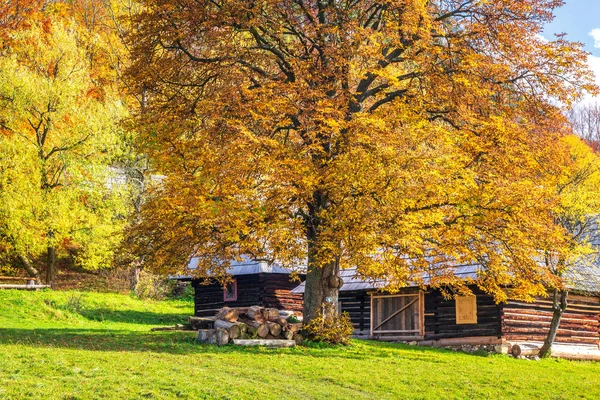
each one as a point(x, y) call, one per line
point(201, 322)
point(177, 327)
point(262, 330)
point(207, 336)
point(228, 314)
point(255, 313)
point(265, 342)
point(525, 349)
point(222, 337)
point(287, 335)
point(235, 329)
point(282, 321)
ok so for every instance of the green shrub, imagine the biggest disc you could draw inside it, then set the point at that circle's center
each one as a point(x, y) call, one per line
point(153, 287)
point(330, 327)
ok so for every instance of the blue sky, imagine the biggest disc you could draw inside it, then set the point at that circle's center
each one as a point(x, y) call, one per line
point(577, 18)
point(580, 20)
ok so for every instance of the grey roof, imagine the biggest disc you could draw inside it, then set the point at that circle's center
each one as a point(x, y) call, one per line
point(247, 266)
point(580, 278)
point(351, 282)
point(584, 277)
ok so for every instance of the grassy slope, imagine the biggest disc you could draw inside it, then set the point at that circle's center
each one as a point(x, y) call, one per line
point(74, 345)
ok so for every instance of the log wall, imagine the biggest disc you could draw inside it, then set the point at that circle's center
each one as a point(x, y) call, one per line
point(276, 292)
point(266, 290)
point(358, 305)
point(580, 324)
point(440, 317)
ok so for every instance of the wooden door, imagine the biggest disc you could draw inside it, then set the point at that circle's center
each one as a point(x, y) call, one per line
point(398, 315)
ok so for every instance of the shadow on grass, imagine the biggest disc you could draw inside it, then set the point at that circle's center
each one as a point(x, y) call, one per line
point(185, 343)
point(133, 317)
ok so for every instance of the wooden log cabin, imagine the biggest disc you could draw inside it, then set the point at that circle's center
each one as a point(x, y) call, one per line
point(425, 316)
point(254, 283)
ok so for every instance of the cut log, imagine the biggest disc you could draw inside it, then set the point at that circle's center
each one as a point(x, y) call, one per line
point(262, 330)
point(201, 323)
point(271, 314)
point(287, 335)
point(255, 313)
point(282, 321)
point(297, 338)
point(251, 333)
point(222, 337)
point(274, 328)
point(228, 314)
point(525, 349)
point(235, 329)
point(207, 336)
point(294, 327)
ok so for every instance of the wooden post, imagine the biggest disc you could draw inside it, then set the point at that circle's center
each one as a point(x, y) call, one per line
point(371, 315)
point(422, 313)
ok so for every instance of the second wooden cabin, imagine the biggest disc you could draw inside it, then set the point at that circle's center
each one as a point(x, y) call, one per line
point(425, 316)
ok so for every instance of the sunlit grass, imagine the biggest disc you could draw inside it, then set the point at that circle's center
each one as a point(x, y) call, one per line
point(87, 345)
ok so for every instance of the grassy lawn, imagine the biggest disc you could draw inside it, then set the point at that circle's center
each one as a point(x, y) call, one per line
point(72, 345)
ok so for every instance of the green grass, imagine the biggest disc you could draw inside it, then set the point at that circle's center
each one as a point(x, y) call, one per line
point(70, 345)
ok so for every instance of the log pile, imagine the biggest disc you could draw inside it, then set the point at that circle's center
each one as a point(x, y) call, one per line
point(231, 324)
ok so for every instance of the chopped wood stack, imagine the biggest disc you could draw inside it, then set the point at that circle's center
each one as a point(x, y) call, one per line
point(246, 323)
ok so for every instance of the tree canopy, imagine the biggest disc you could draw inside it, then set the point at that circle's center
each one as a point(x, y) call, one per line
point(400, 137)
point(59, 134)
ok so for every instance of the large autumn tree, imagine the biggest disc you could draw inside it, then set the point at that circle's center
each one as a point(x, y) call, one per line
point(398, 136)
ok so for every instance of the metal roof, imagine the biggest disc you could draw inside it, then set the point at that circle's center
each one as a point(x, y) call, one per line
point(583, 277)
point(246, 266)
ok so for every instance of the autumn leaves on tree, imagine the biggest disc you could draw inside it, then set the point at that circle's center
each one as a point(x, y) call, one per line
point(390, 136)
point(399, 137)
point(59, 133)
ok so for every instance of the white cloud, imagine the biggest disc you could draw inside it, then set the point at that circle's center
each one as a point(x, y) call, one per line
point(594, 65)
point(595, 33)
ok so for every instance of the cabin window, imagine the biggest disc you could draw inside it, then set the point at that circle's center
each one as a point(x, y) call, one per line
point(466, 310)
point(230, 291)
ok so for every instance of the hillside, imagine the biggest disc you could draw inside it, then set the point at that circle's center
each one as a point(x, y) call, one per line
point(88, 345)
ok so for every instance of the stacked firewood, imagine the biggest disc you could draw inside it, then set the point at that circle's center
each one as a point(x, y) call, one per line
point(250, 323)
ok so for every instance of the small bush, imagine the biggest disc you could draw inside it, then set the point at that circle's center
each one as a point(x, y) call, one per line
point(153, 287)
point(330, 327)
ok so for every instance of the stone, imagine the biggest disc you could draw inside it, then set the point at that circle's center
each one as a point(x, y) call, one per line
point(501, 349)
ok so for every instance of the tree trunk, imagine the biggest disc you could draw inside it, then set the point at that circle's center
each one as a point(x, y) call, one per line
point(322, 289)
point(28, 267)
point(51, 266)
point(559, 307)
point(323, 282)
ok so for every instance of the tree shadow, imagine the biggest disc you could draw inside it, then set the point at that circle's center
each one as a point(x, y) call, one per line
point(185, 343)
point(133, 317)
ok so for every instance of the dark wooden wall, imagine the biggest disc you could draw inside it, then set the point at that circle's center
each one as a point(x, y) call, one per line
point(267, 290)
point(358, 305)
point(276, 292)
point(580, 323)
point(440, 317)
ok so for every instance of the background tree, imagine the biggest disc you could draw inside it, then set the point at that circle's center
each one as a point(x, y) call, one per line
point(59, 121)
point(585, 119)
point(354, 133)
point(578, 187)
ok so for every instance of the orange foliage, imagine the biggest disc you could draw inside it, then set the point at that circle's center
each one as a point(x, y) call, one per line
point(400, 137)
